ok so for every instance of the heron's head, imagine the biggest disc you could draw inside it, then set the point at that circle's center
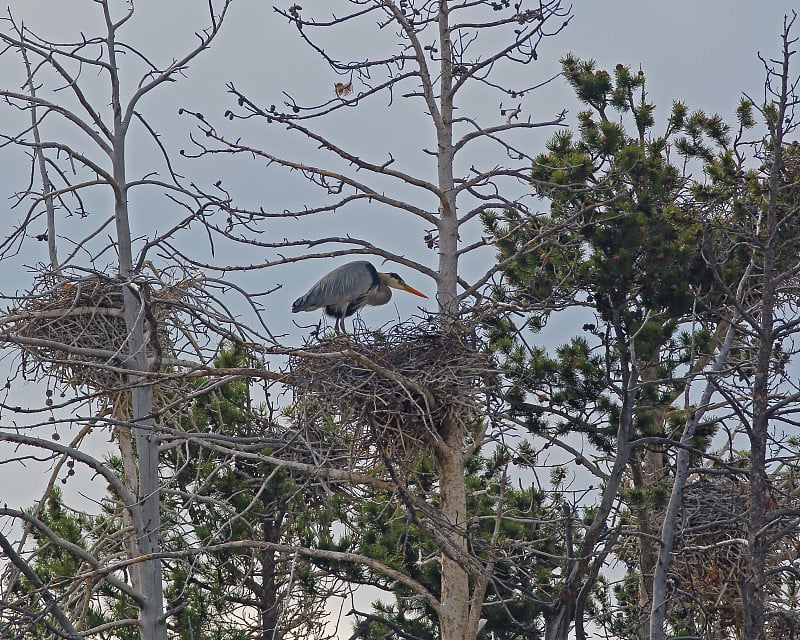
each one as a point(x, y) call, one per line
point(396, 282)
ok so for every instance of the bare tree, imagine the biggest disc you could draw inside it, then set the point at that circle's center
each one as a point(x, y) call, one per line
point(445, 55)
point(768, 318)
point(755, 211)
point(82, 326)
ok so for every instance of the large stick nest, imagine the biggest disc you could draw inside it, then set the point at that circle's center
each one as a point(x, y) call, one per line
point(63, 322)
point(390, 393)
point(710, 552)
point(710, 555)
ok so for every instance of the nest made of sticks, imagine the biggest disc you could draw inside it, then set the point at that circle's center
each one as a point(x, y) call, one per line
point(391, 392)
point(710, 554)
point(63, 324)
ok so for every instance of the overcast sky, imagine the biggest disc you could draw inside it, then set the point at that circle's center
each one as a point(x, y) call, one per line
point(701, 52)
point(704, 53)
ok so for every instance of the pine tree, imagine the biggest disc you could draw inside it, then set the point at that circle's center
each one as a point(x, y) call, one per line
point(625, 244)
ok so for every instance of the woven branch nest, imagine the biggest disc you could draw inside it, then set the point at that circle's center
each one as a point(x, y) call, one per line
point(64, 320)
point(709, 558)
point(389, 393)
point(710, 555)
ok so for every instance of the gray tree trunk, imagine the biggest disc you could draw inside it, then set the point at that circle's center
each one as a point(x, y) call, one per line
point(455, 596)
point(450, 463)
point(754, 596)
point(146, 576)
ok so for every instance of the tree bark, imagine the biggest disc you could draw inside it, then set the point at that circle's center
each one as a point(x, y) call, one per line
point(455, 596)
point(448, 216)
point(754, 599)
point(558, 619)
point(455, 584)
point(147, 576)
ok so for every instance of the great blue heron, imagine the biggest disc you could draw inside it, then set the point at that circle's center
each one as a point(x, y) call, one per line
point(346, 289)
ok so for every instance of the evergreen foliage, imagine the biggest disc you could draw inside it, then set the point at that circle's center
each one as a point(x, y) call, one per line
point(624, 250)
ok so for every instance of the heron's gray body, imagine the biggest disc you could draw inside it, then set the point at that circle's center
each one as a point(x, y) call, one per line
point(348, 288)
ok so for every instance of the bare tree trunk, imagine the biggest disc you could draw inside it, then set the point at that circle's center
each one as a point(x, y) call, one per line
point(448, 215)
point(754, 596)
point(455, 596)
point(455, 585)
point(647, 473)
point(152, 624)
point(147, 578)
point(778, 118)
point(643, 481)
point(753, 593)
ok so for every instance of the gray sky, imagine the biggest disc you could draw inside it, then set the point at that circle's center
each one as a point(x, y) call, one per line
point(703, 53)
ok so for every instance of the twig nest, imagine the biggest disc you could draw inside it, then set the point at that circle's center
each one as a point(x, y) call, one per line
point(64, 324)
point(710, 547)
point(389, 392)
point(710, 556)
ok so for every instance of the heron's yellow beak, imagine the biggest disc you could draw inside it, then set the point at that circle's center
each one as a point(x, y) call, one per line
point(413, 290)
